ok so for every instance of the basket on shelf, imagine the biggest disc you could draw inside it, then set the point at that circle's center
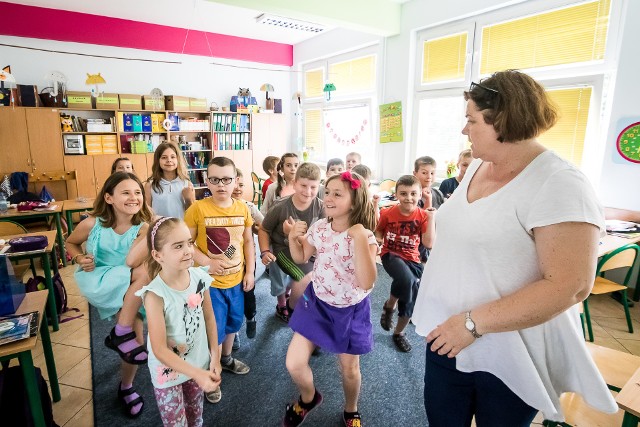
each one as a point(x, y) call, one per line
point(213, 107)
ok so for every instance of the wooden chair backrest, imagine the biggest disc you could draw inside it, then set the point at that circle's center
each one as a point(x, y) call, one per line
point(387, 185)
point(9, 227)
point(623, 257)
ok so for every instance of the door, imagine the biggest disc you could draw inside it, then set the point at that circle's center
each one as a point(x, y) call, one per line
point(86, 183)
point(14, 141)
point(102, 168)
point(45, 144)
point(244, 161)
point(139, 162)
point(268, 138)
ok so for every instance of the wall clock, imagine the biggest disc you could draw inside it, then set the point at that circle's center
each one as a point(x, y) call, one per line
point(628, 143)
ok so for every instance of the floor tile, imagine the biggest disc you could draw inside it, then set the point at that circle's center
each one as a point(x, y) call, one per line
point(79, 375)
point(73, 400)
point(80, 338)
point(66, 357)
point(632, 345)
point(68, 328)
point(84, 417)
point(618, 327)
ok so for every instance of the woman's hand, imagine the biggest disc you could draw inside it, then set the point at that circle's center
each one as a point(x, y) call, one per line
point(450, 337)
point(86, 263)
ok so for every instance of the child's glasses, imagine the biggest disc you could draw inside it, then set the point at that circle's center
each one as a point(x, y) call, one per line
point(215, 181)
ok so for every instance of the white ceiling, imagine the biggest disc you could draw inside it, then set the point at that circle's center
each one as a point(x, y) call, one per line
point(193, 14)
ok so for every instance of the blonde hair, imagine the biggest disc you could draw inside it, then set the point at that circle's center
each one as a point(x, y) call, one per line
point(104, 211)
point(363, 211)
point(309, 171)
point(156, 170)
point(156, 239)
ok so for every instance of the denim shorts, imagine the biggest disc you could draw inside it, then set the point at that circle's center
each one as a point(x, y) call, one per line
point(228, 308)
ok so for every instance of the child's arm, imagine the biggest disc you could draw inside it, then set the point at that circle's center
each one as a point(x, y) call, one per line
point(189, 195)
point(215, 266)
point(154, 307)
point(73, 244)
point(212, 336)
point(364, 258)
point(266, 256)
point(429, 236)
point(379, 237)
point(427, 197)
point(301, 249)
point(249, 260)
point(139, 250)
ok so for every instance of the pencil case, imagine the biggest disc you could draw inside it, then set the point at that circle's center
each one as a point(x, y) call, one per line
point(28, 243)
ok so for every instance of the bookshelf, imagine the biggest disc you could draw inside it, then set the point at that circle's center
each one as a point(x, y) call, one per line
point(231, 131)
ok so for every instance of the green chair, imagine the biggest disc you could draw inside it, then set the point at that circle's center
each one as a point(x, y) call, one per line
point(8, 228)
point(257, 189)
point(624, 257)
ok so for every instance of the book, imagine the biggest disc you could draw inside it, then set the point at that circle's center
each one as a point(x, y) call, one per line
point(15, 327)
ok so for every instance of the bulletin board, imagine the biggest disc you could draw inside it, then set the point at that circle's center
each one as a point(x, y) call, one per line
point(391, 122)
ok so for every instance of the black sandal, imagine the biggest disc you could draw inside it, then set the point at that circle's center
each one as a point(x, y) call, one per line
point(128, 406)
point(386, 319)
point(401, 341)
point(112, 341)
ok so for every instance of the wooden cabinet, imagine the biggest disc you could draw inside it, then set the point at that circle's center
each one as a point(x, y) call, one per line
point(85, 180)
point(14, 141)
point(268, 138)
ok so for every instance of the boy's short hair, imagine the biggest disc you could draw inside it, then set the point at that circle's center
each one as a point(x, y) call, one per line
point(356, 155)
point(362, 170)
point(309, 171)
point(270, 162)
point(407, 181)
point(464, 154)
point(334, 162)
point(423, 161)
point(222, 162)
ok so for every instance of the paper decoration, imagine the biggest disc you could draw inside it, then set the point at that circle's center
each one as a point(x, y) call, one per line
point(391, 122)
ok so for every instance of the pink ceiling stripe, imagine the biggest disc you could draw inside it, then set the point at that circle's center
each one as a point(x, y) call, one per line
point(62, 25)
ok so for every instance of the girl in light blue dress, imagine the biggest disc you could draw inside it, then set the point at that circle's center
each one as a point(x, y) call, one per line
point(111, 271)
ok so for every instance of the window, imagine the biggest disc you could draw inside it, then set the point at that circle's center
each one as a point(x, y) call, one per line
point(336, 127)
point(564, 48)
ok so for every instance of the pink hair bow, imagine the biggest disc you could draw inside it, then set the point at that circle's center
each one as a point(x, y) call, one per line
point(355, 183)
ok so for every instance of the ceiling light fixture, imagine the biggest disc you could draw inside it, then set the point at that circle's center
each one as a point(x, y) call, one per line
point(288, 23)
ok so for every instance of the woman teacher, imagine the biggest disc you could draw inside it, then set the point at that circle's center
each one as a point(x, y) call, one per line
point(515, 253)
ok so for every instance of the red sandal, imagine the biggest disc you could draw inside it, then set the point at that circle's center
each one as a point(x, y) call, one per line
point(112, 341)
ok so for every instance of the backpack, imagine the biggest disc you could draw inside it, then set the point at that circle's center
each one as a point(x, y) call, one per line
point(14, 401)
point(59, 292)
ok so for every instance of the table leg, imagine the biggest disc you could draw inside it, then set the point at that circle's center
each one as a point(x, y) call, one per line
point(51, 304)
point(69, 215)
point(54, 260)
point(31, 384)
point(51, 362)
point(63, 255)
point(629, 420)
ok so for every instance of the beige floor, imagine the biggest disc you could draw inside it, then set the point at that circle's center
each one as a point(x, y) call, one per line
point(73, 355)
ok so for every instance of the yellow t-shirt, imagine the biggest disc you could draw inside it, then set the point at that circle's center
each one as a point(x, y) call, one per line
point(219, 234)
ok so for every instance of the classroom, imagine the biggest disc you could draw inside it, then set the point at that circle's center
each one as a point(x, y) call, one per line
point(231, 129)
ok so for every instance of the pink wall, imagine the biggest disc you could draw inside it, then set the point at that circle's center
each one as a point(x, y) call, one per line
point(62, 25)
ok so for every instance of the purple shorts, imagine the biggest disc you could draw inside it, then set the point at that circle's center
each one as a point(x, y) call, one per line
point(334, 329)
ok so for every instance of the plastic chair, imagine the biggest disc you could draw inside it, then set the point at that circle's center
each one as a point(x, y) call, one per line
point(8, 228)
point(387, 185)
point(257, 189)
point(624, 257)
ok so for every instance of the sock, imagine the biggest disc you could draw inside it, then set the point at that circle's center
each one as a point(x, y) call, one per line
point(282, 301)
point(137, 408)
point(348, 415)
point(129, 345)
point(226, 360)
point(311, 404)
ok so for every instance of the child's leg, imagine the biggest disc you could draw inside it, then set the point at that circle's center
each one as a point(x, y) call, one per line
point(171, 405)
point(297, 289)
point(351, 380)
point(193, 401)
point(297, 363)
point(128, 373)
point(250, 304)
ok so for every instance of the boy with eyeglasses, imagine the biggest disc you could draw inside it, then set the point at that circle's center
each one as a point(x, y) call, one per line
point(221, 229)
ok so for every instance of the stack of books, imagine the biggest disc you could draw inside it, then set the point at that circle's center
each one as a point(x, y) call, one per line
point(18, 326)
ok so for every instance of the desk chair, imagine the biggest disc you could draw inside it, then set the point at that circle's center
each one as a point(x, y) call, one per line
point(257, 189)
point(624, 257)
point(8, 228)
point(387, 185)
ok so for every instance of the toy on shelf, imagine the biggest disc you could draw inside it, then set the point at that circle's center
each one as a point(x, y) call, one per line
point(66, 123)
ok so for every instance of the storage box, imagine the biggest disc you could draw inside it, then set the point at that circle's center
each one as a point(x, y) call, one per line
point(99, 127)
point(93, 144)
point(156, 122)
point(137, 123)
point(138, 146)
point(153, 104)
point(198, 104)
point(146, 123)
point(241, 103)
point(130, 102)
point(11, 290)
point(108, 101)
point(109, 144)
point(176, 103)
point(79, 100)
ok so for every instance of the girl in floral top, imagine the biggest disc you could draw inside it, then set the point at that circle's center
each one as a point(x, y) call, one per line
point(183, 350)
point(334, 312)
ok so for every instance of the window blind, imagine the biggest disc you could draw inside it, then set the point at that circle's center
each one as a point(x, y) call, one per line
point(313, 130)
point(356, 75)
point(313, 83)
point(567, 137)
point(444, 58)
point(571, 35)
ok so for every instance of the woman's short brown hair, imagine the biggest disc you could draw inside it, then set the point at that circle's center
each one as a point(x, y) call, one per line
point(515, 104)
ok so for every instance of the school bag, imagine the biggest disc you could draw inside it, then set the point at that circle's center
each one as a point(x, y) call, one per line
point(59, 292)
point(14, 403)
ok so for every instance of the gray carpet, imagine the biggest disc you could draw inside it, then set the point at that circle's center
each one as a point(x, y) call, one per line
point(392, 382)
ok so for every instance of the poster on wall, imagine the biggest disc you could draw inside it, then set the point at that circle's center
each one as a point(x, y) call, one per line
point(391, 122)
point(628, 142)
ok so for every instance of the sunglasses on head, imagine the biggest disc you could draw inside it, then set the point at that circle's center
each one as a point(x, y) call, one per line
point(488, 95)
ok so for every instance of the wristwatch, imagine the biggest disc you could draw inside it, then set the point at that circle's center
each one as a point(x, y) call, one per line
point(470, 325)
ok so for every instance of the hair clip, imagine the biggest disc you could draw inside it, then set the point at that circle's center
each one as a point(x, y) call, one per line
point(346, 176)
point(155, 230)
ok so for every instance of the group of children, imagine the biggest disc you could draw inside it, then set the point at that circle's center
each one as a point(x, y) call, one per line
point(319, 242)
